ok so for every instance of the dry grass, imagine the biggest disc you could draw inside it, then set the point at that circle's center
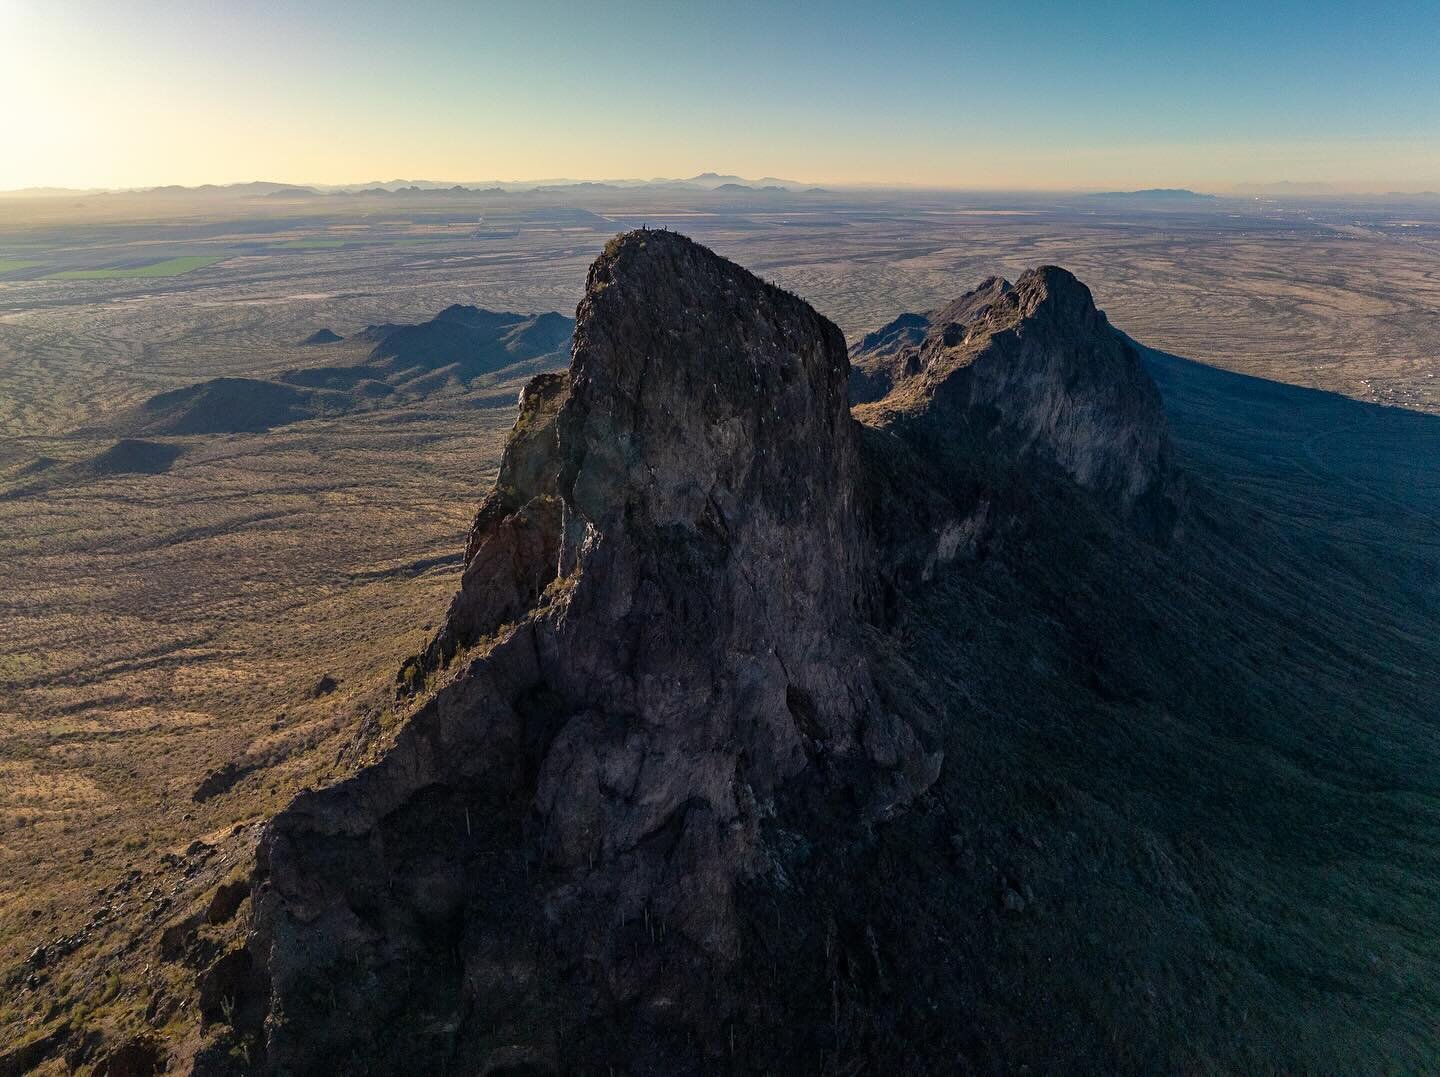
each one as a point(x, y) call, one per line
point(159, 626)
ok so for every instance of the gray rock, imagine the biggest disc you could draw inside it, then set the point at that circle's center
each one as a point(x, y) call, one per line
point(660, 636)
point(671, 577)
point(1010, 377)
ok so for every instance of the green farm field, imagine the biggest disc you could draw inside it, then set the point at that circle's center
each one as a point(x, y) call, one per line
point(169, 267)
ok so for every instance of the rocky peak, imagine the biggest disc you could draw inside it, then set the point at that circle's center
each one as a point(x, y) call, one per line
point(906, 329)
point(664, 638)
point(973, 305)
point(660, 627)
point(1008, 379)
point(717, 577)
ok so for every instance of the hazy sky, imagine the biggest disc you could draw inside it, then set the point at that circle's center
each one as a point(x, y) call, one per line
point(1129, 93)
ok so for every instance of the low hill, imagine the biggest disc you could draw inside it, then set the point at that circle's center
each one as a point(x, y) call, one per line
point(450, 351)
point(129, 456)
point(132, 456)
point(222, 406)
point(471, 340)
point(1158, 194)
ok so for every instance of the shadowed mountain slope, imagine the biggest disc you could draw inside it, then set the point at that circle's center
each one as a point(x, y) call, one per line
point(453, 350)
point(944, 737)
point(1029, 373)
point(223, 406)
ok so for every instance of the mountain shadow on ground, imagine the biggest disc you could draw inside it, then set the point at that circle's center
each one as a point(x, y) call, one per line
point(134, 457)
point(129, 456)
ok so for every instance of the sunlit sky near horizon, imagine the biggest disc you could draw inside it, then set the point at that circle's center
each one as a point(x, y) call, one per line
point(1028, 95)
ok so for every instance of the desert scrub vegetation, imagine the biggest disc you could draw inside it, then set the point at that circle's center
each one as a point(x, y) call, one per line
point(22, 666)
point(167, 625)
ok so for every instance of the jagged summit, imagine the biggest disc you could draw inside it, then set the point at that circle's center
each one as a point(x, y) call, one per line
point(664, 678)
point(1009, 376)
point(659, 629)
point(893, 335)
point(973, 304)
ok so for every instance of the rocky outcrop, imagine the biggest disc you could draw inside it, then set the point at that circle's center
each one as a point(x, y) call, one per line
point(514, 544)
point(1010, 378)
point(663, 639)
point(660, 627)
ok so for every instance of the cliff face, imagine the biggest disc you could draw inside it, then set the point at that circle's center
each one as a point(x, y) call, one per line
point(657, 686)
point(513, 546)
point(660, 626)
point(712, 543)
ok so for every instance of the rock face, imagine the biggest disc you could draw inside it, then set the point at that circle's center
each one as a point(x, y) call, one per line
point(513, 547)
point(1007, 377)
point(660, 626)
point(664, 642)
point(708, 475)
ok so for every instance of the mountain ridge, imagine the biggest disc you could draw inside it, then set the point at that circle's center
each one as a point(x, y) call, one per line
point(1030, 369)
point(454, 349)
point(643, 551)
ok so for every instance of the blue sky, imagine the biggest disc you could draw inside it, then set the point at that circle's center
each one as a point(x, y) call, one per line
point(1044, 94)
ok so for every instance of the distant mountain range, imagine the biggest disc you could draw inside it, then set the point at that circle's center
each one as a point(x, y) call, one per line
point(705, 181)
point(723, 183)
point(1303, 189)
point(1159, 194)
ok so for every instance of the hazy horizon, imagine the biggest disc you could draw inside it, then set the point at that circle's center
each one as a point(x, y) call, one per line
point(1298, 188)
point(134, 95)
